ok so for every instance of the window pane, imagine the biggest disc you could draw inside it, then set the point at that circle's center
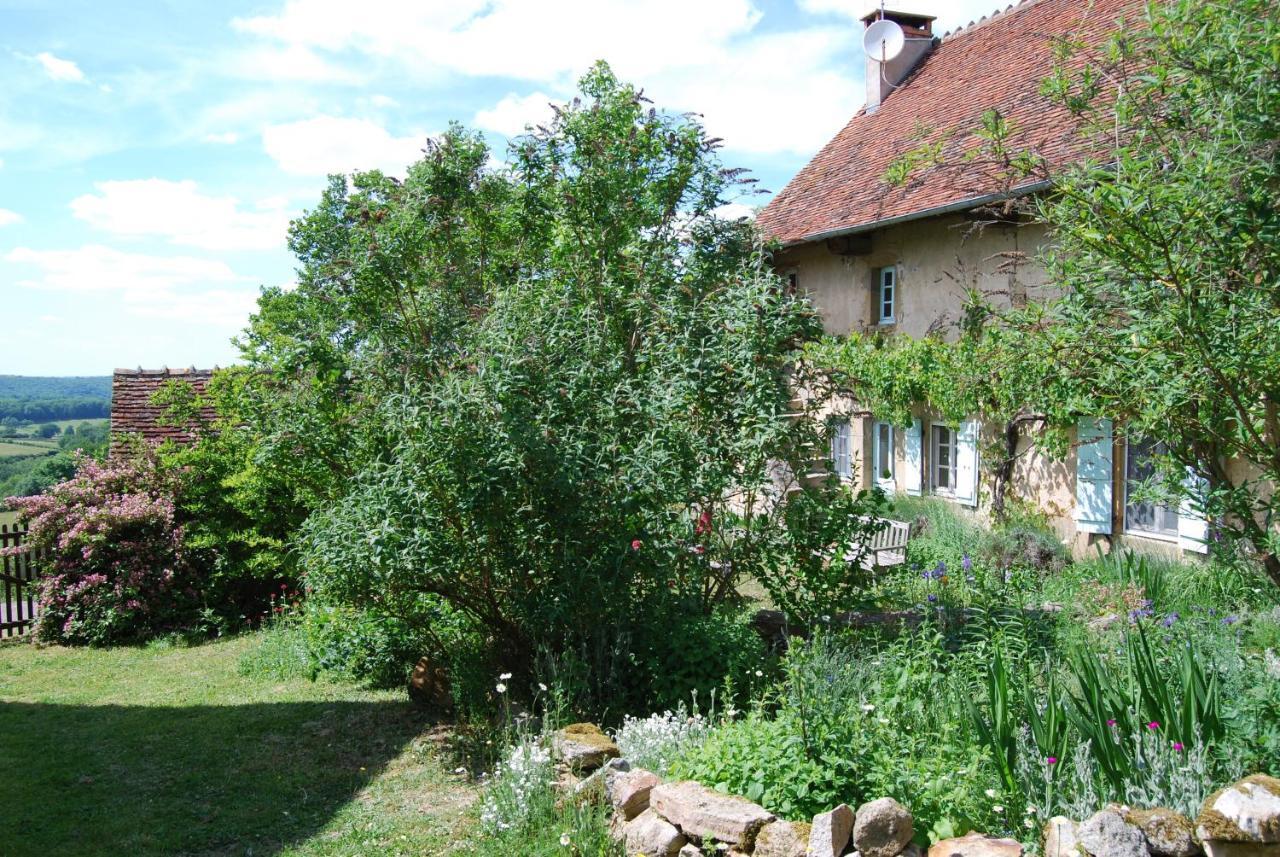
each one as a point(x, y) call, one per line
point(884, 462)
point(1147, 515)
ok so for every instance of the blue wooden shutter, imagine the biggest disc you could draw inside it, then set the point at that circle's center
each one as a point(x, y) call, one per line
point(966, 467)
point(913, 458)
point(1093, 476)
point(1193, 529)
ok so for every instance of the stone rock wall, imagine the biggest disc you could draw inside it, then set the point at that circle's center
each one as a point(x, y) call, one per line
point(688, 819)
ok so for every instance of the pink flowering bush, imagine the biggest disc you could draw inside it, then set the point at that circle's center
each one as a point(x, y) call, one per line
point(118, 570)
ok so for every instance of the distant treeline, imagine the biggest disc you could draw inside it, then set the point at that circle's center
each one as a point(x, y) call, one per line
point(24, 476)
point(35, 400)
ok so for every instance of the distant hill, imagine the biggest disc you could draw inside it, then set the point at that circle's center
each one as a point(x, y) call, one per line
point(34, 399)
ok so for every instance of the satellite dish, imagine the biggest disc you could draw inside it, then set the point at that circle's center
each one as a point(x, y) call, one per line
point(883, 41)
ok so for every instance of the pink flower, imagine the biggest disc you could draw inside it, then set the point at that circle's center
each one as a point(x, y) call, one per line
point(1177, 746)
point(1153, 725)
point(1111, 723)
point(699, 549)
point(1052, 760)
point(636, 544)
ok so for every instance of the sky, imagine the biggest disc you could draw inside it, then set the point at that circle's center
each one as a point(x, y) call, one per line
point(153, 153)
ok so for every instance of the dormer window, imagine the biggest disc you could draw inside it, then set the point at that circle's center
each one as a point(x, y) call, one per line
point(887, 294)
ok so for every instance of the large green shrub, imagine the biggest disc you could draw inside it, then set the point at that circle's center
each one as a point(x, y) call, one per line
point(558, 397)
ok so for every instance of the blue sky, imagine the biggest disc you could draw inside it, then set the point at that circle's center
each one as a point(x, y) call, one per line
point(152, 153)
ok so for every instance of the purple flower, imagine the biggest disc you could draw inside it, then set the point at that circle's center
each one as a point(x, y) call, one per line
point(1230, 620)
point(1169, 620)
point(932, 598)
point(966, 563)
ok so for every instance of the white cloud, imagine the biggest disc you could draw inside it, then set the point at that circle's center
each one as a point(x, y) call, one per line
point(95, 268)
point(513, 113)
point(51, 319)
point(181, 213)
point(383, 101)
point(8, 218)
point(950, 14)
point(290, 62)
point(60, 69)
point(226, 138)
point(513, 38)
point(734, 211)
point(170, 287)
point(330, 144)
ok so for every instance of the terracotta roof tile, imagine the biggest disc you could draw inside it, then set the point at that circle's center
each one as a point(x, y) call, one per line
point(132, 412)
point(996, 63)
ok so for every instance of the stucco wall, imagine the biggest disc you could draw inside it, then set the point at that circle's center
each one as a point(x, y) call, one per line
point(938, 261)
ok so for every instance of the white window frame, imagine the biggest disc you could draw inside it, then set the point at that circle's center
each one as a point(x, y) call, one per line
point(842, 462)
point(1156, 535)
point(892, 287)
point(954, 447)
point(887, 483)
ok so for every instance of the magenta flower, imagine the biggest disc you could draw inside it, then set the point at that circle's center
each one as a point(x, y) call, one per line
point(636, 544)
point(1111, 723)
point(1177, 746)
point(1153, 725)
point(1052, 760)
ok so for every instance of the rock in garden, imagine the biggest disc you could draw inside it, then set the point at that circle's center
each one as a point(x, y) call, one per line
point(708, 814)
point(652, 836)
point(976, 845)
point(628, 791)
point(831, 831)
point(882, 828)
point(1247, 812)
point(429, 686)
point(783, 839)
point(1107, 834)
point(1062, 838)
point(583, 747)
point(1168, 833)
point(691, 850)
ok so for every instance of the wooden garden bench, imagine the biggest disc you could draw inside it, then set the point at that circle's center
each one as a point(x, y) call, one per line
point(888, 546)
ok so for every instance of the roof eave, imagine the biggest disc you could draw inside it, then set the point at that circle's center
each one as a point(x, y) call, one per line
point(935, 211)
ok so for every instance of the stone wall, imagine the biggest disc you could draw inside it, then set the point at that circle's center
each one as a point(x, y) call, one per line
point(653, 818)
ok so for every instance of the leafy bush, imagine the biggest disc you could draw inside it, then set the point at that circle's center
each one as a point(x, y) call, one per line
point(1025, 547)
point(362, 645)
point(850, 725)
point(118, 569)
point(558, 397)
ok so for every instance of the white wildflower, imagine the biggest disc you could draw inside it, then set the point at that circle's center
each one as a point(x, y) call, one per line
point(504, 677)
point(997, 808)
point(656, 741)
point(500, 687)
point(565, 840)
point(990, 792)
point(868, 707)
point(542, 687)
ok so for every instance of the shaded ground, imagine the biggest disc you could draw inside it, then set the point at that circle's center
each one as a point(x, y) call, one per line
point(153, 751)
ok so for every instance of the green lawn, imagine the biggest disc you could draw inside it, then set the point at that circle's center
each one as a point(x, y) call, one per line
point(170, 751)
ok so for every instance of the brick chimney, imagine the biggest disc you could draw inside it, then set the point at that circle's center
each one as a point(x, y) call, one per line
point(918, 30)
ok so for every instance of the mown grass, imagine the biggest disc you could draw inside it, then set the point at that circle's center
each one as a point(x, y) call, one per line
point(25, 448)
point(170, 750)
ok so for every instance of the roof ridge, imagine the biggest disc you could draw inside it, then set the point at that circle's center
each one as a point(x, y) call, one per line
point(965, 29)
point(188, 370)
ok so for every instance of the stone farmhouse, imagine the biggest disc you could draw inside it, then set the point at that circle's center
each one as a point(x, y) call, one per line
point(900, 258)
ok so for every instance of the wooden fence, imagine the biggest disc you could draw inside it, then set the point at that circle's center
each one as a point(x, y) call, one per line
point(17, 582)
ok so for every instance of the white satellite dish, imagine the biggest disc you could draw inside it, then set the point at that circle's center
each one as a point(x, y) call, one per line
point(883, 41)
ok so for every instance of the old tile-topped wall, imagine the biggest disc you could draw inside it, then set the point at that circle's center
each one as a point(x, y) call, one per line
point(132, 412)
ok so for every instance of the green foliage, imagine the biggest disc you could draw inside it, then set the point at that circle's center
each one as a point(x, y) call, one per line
point(555, 396)
point(239, 510)
point(852, 724)
point(31, 399)
point(26, 477)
